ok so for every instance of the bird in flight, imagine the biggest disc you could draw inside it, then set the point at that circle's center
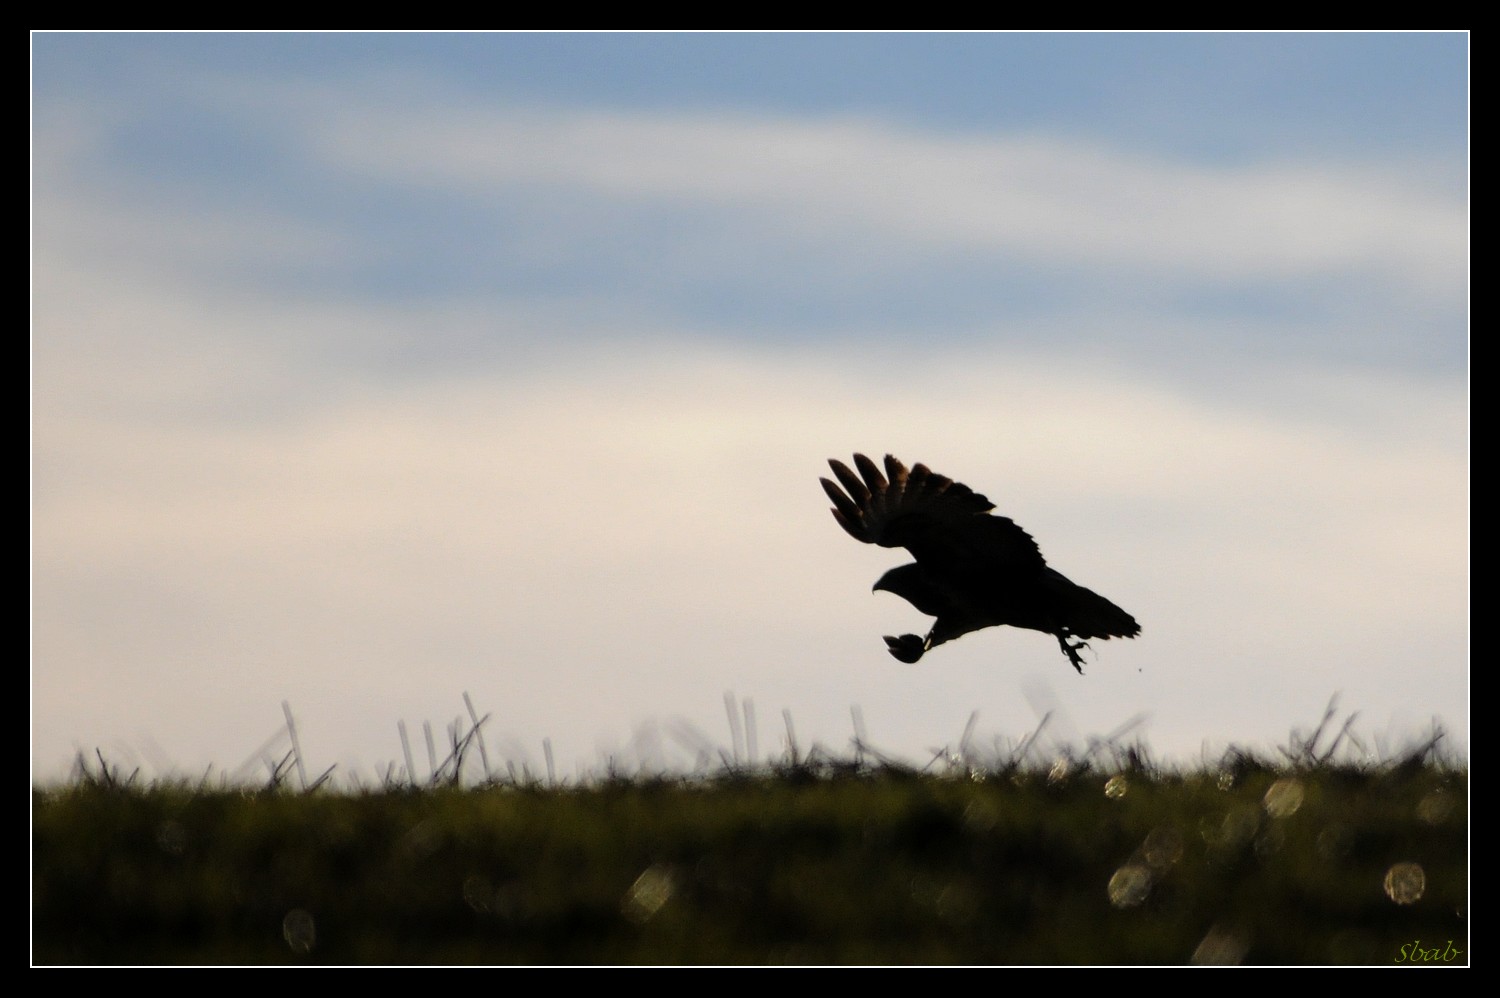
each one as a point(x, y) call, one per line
point(973, 569)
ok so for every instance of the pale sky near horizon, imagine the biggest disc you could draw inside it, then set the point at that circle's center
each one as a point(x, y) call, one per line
point(368, 370)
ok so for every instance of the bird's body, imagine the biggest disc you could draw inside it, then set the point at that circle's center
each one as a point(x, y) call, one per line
point(973, 569)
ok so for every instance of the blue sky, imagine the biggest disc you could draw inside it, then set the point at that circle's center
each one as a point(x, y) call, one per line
point(368, 370)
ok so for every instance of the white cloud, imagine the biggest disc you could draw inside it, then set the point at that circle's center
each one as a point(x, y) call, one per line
point(1048, 199)
point(795, 185)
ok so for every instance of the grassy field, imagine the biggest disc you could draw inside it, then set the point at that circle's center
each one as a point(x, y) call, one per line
point(1298, 861)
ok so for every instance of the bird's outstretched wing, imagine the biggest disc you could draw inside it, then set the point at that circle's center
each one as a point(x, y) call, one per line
point(946, 525)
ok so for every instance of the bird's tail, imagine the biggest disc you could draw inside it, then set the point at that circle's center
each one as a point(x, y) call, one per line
point(1090, 615)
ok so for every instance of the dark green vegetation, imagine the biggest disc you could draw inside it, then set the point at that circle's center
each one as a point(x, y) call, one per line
point(833, 863)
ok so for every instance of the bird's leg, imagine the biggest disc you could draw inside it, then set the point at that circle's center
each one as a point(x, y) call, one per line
point(1072, 650)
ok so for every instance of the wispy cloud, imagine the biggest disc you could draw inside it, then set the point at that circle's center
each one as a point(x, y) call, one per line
point(880, 189)
point(1051, 199)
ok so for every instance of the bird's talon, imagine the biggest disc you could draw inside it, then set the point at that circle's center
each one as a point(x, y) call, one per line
point(1072, 650)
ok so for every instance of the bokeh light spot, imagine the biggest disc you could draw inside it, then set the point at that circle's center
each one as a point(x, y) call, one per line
point(1284, 798)
point(1238, 827)
point(651, 890)
point(1221, 948)
point(299, 931)
point(1129, 886)
point(1435, 807)
point(1405, 883)
point(1163, 847)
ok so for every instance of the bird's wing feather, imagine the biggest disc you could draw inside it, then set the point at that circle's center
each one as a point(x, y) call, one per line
point(943, 523)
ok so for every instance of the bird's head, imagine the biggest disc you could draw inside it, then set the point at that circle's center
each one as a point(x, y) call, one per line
point(902, 581)
point(912, 584)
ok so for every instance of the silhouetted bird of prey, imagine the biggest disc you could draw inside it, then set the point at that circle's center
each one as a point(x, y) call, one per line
point(973, 570)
